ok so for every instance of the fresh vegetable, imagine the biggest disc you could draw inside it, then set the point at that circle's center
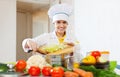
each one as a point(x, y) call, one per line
point(101, 60)
point(81, 72)
point(20, 65)
point(36, 60)
point(56, 65)
point(99, 72)
point(89, 74)
point(46, 70)
point(34, 71)
point(65, 69)
point(53, 48)
point(113, 65)
point(57, 72)
point(70, 74)
point(89, 60)
point(96, 54)
point(76, 65)
point(3, 67)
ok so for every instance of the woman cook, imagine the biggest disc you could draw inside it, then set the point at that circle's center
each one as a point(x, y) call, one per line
point(59, 14)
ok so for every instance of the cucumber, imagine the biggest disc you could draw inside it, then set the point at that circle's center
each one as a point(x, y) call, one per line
point(3, 67)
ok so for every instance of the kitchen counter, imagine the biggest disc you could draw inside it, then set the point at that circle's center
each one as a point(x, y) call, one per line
point(9, 74)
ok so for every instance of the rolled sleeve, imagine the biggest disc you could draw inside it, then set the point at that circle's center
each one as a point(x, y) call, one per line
point(24, 43)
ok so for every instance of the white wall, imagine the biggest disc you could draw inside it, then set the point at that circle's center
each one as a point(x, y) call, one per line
point(7, 30)
point(98, 26)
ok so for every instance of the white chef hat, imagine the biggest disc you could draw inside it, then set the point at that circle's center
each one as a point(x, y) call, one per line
point(60, 12)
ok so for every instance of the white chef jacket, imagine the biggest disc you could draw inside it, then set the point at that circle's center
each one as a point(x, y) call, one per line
point(51, 39)
point(48, 39)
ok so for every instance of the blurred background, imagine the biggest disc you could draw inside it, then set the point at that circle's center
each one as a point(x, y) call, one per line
point(96, 24)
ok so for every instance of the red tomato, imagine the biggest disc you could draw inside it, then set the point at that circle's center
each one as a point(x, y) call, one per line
point(96, 54)
point(20, 65)
point(57, 72)
point(34, 71)
point(46, 71)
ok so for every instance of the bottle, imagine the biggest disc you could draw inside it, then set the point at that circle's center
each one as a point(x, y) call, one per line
point(77, 56)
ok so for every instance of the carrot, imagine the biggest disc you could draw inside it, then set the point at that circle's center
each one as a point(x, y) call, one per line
point(89, 74)
point(80, 72)
point(70, 74)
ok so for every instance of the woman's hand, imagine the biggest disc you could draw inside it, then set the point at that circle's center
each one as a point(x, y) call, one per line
point(32, 45)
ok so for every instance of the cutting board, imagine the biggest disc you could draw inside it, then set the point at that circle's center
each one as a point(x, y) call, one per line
point(67, 50)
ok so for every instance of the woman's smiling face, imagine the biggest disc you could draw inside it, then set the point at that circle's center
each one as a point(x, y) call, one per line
point(61, 26)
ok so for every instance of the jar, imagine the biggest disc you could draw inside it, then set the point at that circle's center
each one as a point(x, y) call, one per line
point(69, 62)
